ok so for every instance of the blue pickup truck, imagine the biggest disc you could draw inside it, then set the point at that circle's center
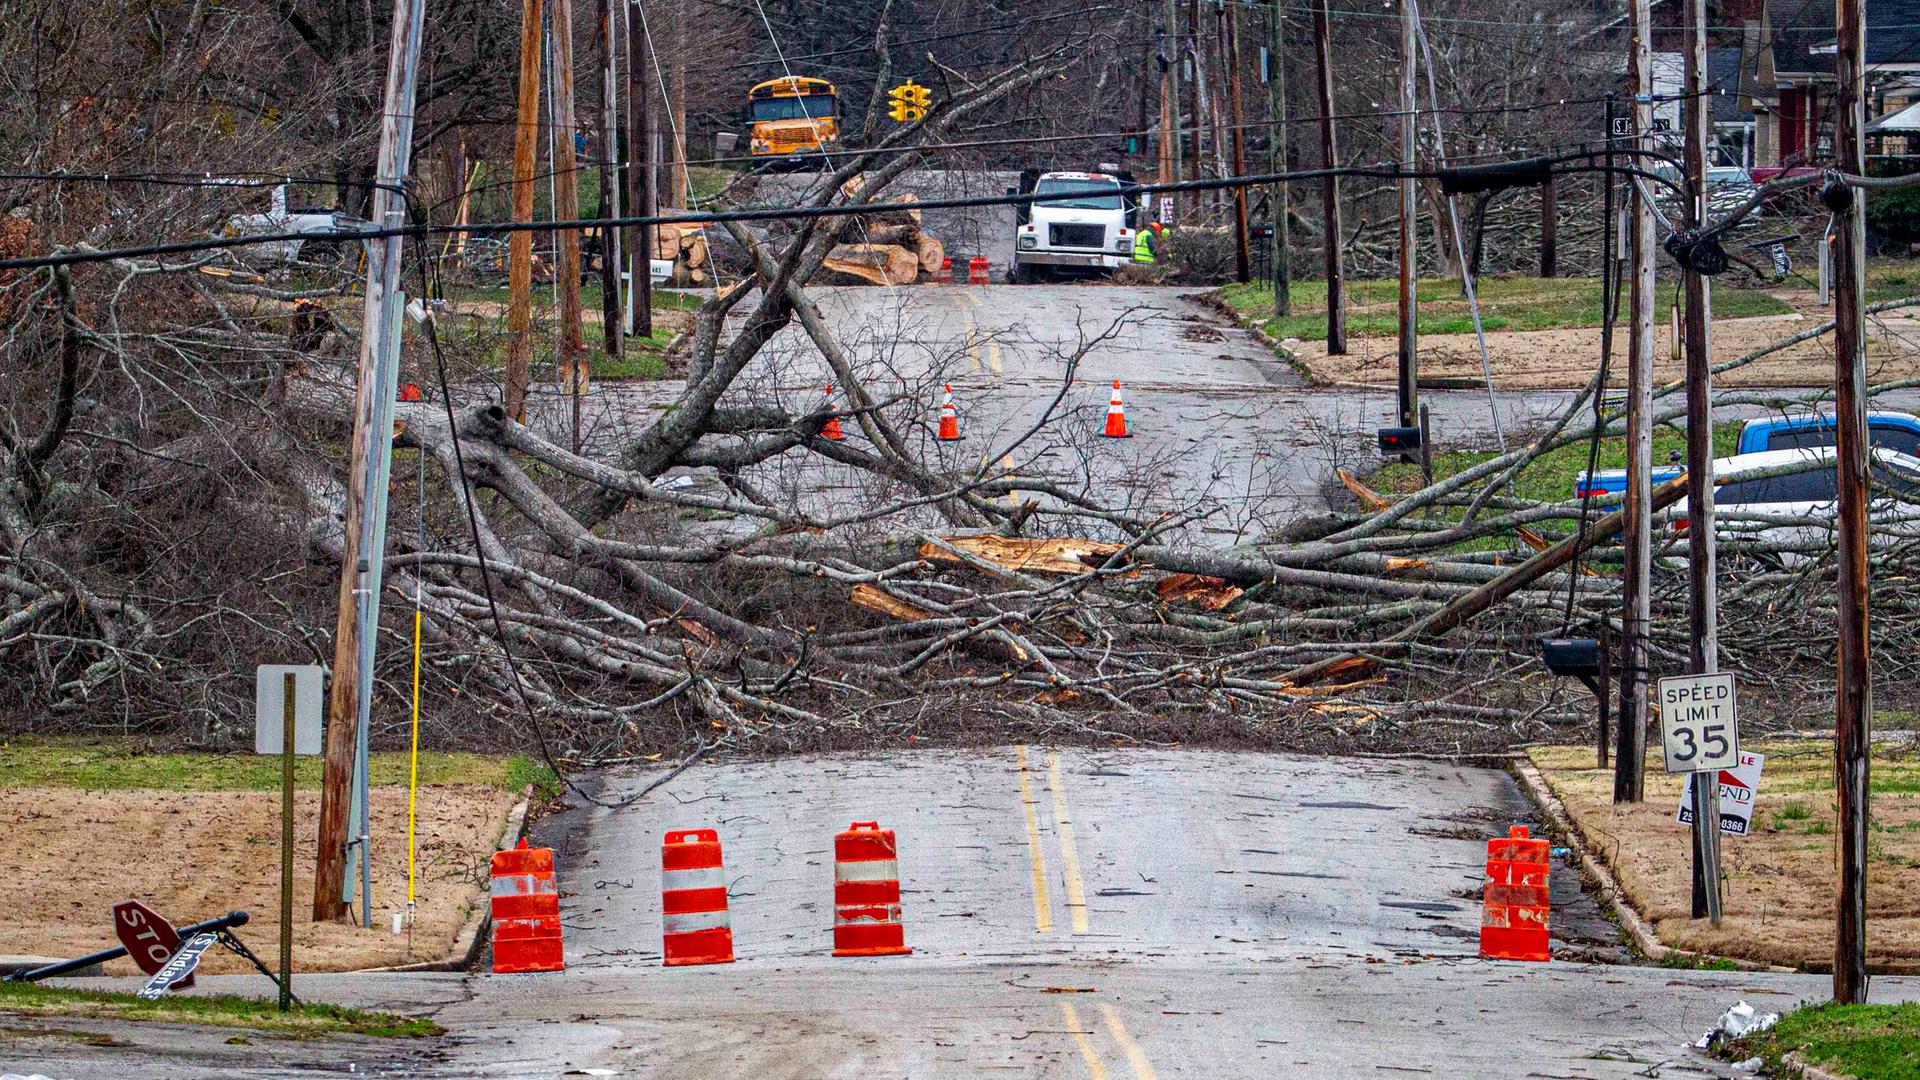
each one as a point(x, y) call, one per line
point(1892, 430)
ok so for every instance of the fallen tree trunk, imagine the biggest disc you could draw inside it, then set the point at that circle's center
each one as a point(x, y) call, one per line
point(875, 264)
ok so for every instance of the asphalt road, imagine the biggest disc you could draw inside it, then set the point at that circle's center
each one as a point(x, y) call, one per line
point(1073, 913)
point(1097, 914)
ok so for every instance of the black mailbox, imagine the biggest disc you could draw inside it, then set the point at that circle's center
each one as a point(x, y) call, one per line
point(1399, 440)
point(1578, 656)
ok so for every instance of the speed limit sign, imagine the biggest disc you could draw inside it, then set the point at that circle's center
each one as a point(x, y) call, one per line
point(1698, 731)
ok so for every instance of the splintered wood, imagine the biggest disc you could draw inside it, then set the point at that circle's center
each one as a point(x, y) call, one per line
point(1016, 554)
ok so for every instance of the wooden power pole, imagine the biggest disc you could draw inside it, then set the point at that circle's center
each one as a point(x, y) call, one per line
point(612, 319)
point(1175, 56)
point(1163, 58)
point(526, 140)
point(1630, 746)
point(1409, 374)
point(1330, 188)
point(1703, 612)
point(1242, 267)
point(361, 555)
point(1853, 704)
point(1549, 229)
point(642, 192)
point(1235, 76)
point(1279, 160)
point(566, 207)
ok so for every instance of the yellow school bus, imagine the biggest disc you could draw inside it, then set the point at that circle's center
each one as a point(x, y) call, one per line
point(792, 118)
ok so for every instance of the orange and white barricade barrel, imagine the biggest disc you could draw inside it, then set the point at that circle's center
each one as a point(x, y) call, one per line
point(866, 893)
point(526, 912)
point(693, 899)
point(977, 270)
point(1513, 925)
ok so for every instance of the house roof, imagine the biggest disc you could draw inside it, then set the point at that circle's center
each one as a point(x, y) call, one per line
point(1804, 34)
point(1897, 123)
point(1725, 81)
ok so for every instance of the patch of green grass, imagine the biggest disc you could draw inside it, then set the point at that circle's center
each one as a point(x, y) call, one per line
point(1870, 1042)
point(106, 765)
point(1687, 962)
point(305, 1021)
point(1892, 280)
point(1507, 303)
point(1551, 476)
point(1792, 811)
point(523, 770)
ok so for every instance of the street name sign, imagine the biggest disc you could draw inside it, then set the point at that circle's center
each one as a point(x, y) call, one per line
point(1698, 730)
point(179, 967)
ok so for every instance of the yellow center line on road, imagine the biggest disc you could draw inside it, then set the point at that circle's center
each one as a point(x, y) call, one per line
point(1042, 907)
point(973, 346)
point(1136, 1057)
point(1095, 1068)
point(1069, 857)
point(993, 356)
point(1006, 465)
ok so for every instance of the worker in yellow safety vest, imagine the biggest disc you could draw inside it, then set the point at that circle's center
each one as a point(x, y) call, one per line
point(1145, 241)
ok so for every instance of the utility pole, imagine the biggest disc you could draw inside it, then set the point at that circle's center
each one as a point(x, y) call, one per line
point(1549, 227)
point(642, 194)
point(1330, 190)
point(1196, 47)
point(1703, 612)
point(1630, 747)
point(1164, 60)
point(526, 139)
point(1409, 395)
point(611, 319)
point(1242, 268)
point(1853, 704)
point(363, 542)
point(1175, 54)
point(1278, 161)
point(572, 368)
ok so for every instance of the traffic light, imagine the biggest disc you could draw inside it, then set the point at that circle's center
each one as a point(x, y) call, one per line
point(910, 102)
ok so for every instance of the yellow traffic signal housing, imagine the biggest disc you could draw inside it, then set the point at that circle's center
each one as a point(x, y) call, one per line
point(910, 101)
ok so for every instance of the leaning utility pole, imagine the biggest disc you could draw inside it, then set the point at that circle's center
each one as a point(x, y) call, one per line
point(1409, 376)
point(1278, 161)
point(1704, 614)
point(1630, 746)
point(1242, 268)
point(642, 194)
point(572, 368)
point(611, 318)
point(526, 139)
point(1853, 704)
point(363, 541)
point(1330, 190)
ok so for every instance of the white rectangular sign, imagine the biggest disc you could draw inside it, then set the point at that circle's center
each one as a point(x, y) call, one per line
point(1738, 786)
point(1698, 730)
point(269, 699)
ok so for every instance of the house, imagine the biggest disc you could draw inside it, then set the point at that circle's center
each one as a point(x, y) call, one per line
point(1773, 73)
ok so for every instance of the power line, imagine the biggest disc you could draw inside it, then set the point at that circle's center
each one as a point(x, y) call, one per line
point(851, 209)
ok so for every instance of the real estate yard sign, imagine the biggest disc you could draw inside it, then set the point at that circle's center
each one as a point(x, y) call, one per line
point(1738, 786)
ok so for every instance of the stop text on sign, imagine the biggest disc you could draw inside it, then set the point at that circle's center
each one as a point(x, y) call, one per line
point(1698, 727)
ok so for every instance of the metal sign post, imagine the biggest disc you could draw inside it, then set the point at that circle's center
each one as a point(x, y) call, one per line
point(1700, 733)
point(288, 720)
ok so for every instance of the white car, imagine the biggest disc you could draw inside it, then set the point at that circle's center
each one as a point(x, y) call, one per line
point(280, 220)
point(1789, 498)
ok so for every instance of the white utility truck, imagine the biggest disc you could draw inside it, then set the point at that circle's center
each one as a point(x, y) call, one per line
point(1083, 226)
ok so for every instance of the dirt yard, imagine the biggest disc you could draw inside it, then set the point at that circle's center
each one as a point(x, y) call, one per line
point(1780, 877)
point(71, 854)
point(1565, 358)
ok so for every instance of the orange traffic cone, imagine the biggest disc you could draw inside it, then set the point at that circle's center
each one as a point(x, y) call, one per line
point(1116, 416)
point(949, 419)
point(830, 430)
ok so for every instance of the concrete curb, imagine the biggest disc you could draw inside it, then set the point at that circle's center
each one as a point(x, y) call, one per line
point(1611, 894)
point(1799, 1067)
point(472, 940)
